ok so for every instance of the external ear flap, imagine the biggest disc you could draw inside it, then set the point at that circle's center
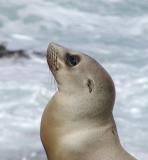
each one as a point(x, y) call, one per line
point(90, 85)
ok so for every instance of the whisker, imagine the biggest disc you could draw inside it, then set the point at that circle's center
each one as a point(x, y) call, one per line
point(55, 85)
point(54, 59)
point(56, 63)
point(51, 82)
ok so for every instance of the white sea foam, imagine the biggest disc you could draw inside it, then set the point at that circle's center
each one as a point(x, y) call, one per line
point(45, 20)
point(21, 37)
point(113, 31)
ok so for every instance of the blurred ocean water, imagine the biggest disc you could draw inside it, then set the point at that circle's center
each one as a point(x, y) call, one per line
point(115, 32)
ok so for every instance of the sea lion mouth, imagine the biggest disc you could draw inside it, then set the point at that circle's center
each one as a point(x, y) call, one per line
point(52, 59)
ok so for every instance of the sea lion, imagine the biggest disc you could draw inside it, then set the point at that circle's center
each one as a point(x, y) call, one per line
point(77, 123)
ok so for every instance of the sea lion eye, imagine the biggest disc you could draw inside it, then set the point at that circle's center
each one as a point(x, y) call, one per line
point(72, 60)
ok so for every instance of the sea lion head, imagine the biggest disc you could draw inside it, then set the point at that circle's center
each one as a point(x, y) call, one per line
point(81, 77)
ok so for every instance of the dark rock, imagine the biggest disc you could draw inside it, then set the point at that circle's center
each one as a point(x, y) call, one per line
point(2, 47)
point(20, 53)
point(4, 52)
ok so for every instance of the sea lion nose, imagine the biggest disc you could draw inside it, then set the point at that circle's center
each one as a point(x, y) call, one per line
point(51, 45)
point(54, 45)
point(55, 48)
point(51, 49)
